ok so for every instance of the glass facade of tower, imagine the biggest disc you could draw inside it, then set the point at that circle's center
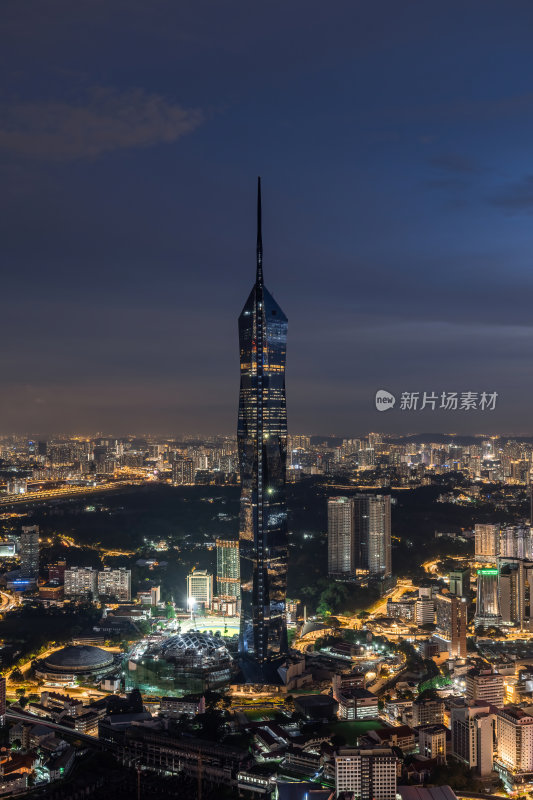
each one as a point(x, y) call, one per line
point(487, 602)
point(262, 441)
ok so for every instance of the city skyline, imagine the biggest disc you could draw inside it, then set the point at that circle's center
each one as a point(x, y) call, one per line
point(320, 582)
point(399, 202)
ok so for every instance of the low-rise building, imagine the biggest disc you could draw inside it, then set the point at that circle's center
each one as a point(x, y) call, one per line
point(401, 609)
point(60, 764)
point(398, 709)
point(226, 604)
point(485, 686)
point(62, 703)
point(401, 736)
point(432, 741)
point(350, 680)
point(357, 704)
point(189, 706)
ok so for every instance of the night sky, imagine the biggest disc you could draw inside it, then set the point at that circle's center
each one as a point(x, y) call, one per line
point(395, 144)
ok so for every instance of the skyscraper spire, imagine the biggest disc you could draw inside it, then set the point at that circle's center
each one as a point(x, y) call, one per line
point(262, 441)
point(259, 274)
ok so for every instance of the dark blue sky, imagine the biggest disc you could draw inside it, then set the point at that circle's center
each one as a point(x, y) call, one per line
point(395, 144)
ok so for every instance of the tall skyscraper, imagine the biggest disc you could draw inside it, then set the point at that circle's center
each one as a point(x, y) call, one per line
point(515, 592)
point(262, 444)
point(228, 580)
point(372, 521)
point(487, 601)
point(341, 540)
point(29, 552)
point(515, 542)
point(509, 594)
point(487, 542)
point(451, 622)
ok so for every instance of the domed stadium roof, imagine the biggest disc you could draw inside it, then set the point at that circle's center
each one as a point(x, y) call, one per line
point(194, 645)
point(79, 658)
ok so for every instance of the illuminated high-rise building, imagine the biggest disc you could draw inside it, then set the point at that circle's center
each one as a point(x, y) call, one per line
point(228, 581)
point(29, 552)
point(115, 583)
point(183, 472)
point(262, 443)
point(81, 582)
point(451, 622)
point(366, 774)
point(487, 542)
point(515, 541)
point(472, 736)
point(514, 753)
point(515, 590)
point(487, 601)
point(372, 521)
point(341, 540)
point(199, 590)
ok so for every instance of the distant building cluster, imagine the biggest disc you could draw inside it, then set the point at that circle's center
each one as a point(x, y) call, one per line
point(201, 583)
point(59, 464)
point(406, 464)
point(505, 555)
point(47, 466)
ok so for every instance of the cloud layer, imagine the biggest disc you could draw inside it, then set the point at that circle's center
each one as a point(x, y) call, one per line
point(516, 197)
point(103, 121)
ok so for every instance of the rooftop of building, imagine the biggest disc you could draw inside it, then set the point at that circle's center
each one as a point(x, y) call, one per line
point(436, 727)
point(310, 700)
point(420, 701)
point(485, 672)
point(187, 698)
point(517, 713)
point(345, 752)
point(426, 793)
point(356, 693)
point(79, 657)
point(400, 731)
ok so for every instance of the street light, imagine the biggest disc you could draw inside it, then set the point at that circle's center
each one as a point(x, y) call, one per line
point(191, 601)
